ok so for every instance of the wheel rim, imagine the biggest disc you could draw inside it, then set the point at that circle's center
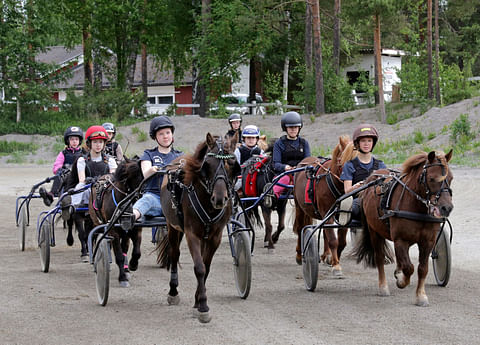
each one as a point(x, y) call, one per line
point(44, 244)
point(441, 260)
point(102, 272)
point(22, 227)
point(242, 264)
point(310, 262)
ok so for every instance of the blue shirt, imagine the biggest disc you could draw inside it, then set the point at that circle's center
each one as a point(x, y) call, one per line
point(348, 170)
point(160, 160)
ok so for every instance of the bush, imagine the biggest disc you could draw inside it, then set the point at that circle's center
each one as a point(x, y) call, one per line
point(460, 131)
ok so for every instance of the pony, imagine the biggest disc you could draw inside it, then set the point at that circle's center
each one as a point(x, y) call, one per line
point(315, 190)
point(196, 197)
point(406, 209)
point(257, 172)
point(105, 195)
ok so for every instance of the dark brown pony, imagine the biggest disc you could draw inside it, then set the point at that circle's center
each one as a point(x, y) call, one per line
point(113, 189)
point(405, 209)
point(197, 201)
point(328, 188)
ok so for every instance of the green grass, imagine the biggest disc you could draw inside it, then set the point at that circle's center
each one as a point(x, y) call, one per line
point(17, 158)
point(135, 130)
point(142, 137)
point(15, 147)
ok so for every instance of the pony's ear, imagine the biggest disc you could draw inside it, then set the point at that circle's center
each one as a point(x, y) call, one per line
point(210, 140)
point(448, 156)
point(234, 140)
point(431, 156)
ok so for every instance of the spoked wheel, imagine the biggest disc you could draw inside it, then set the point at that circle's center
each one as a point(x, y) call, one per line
point(22, 226)
point(102, 271)
point(44, 244)
point(310, 260)
point(242, 264)
point(441, 258)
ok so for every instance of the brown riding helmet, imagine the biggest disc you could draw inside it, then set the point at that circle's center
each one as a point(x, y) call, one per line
point(365, 130)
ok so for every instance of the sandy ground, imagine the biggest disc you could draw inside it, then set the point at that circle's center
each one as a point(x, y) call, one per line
point(60, 307)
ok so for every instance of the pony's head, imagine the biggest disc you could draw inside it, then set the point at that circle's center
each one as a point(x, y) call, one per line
point(432, 176)
point(129, 172)
point(215, 167)
point(343, 152)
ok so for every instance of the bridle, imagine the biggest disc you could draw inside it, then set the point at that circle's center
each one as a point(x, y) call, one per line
point(444, 188)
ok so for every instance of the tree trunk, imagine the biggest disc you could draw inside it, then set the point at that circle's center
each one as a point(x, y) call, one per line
point(378, 64)
point(132, 62)
point(97, 66)
point(144, 72)
point(286, 63)
point(201, 88)
point(308, 37)
point(336, 36)
point(437, 57)
point(19, 110)
point(429, 49)
point(252, 82)
point(317, 46)
point(87, 59)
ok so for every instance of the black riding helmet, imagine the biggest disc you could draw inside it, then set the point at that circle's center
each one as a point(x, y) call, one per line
point(291, 119)
point(234, 117)
point(72, 131)
point(160, 122)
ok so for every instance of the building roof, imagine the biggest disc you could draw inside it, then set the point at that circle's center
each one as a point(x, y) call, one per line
point(63, 56)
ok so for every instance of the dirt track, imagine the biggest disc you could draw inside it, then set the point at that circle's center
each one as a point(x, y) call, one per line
point(60, 307)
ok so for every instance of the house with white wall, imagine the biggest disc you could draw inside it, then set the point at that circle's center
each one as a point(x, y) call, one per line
point(365, 64)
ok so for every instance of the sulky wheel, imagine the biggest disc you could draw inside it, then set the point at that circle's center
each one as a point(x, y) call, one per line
point(441, 258)
point(242, 264)
point(44, 244)
point(102, 271)
point(22, 225)
point(310, 259)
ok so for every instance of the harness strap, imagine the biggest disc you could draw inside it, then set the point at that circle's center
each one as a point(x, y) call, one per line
point(413, 216)
point(200, 211)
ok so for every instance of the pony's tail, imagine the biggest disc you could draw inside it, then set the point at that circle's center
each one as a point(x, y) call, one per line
point(364, 250)
point(162, 248)
point(255, 218)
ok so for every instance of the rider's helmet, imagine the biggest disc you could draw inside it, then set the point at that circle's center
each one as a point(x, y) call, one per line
point(95, 132)
point(291, 119)
point(251, 131)
point(234, 117)
point(110, 128)
point(365, 130)
point(160, 122)
point(72, 131)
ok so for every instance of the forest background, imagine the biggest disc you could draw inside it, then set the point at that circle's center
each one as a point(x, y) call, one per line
point(301, 46)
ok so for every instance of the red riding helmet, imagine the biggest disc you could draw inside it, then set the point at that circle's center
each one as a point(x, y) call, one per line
point(95, 132)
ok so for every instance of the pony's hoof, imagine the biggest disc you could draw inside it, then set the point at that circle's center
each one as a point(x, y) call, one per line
point(133, 265)
point(383, 291)
point(401, 280)
point(128, 275)
point(265, 244)
point(173, 300)
point(298, 259)
point(70, 240)
point(271, 251)
point(337, 273)
point(124, 284)
point(422, 301)
point(204, 317)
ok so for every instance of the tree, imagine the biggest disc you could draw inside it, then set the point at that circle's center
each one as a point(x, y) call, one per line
point(317, 46)
point(429, 49)
point(336, 36)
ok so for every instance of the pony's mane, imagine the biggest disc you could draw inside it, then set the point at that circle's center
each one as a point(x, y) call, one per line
point(124, 169)
point(413, 163)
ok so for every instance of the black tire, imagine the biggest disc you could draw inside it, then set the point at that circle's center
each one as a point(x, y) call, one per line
point(22, 226)
point(310, 260)
point(442, 259)
point(242, 264)
point(44, 239)
point(102, 272)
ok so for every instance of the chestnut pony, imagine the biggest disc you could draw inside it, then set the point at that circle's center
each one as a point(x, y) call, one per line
point(325, 175)
point(196, 197)
point(113, 189)
point(406, 209)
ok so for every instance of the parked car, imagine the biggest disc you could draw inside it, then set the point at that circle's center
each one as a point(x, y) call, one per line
point(237, 103)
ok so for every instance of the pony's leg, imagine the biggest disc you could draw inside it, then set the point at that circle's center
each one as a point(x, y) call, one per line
point(326, 256)
point(267, 218)
point(136, 237)
point(120, 260)
point(82, 237)
point(378, 244)
point(125, 244)
point(424, 254)
point(333, 245)
point(174, 239)
point(342, 240)
point(301, 219)
point(281, 211)
point(70, 239)
point(405, 268)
